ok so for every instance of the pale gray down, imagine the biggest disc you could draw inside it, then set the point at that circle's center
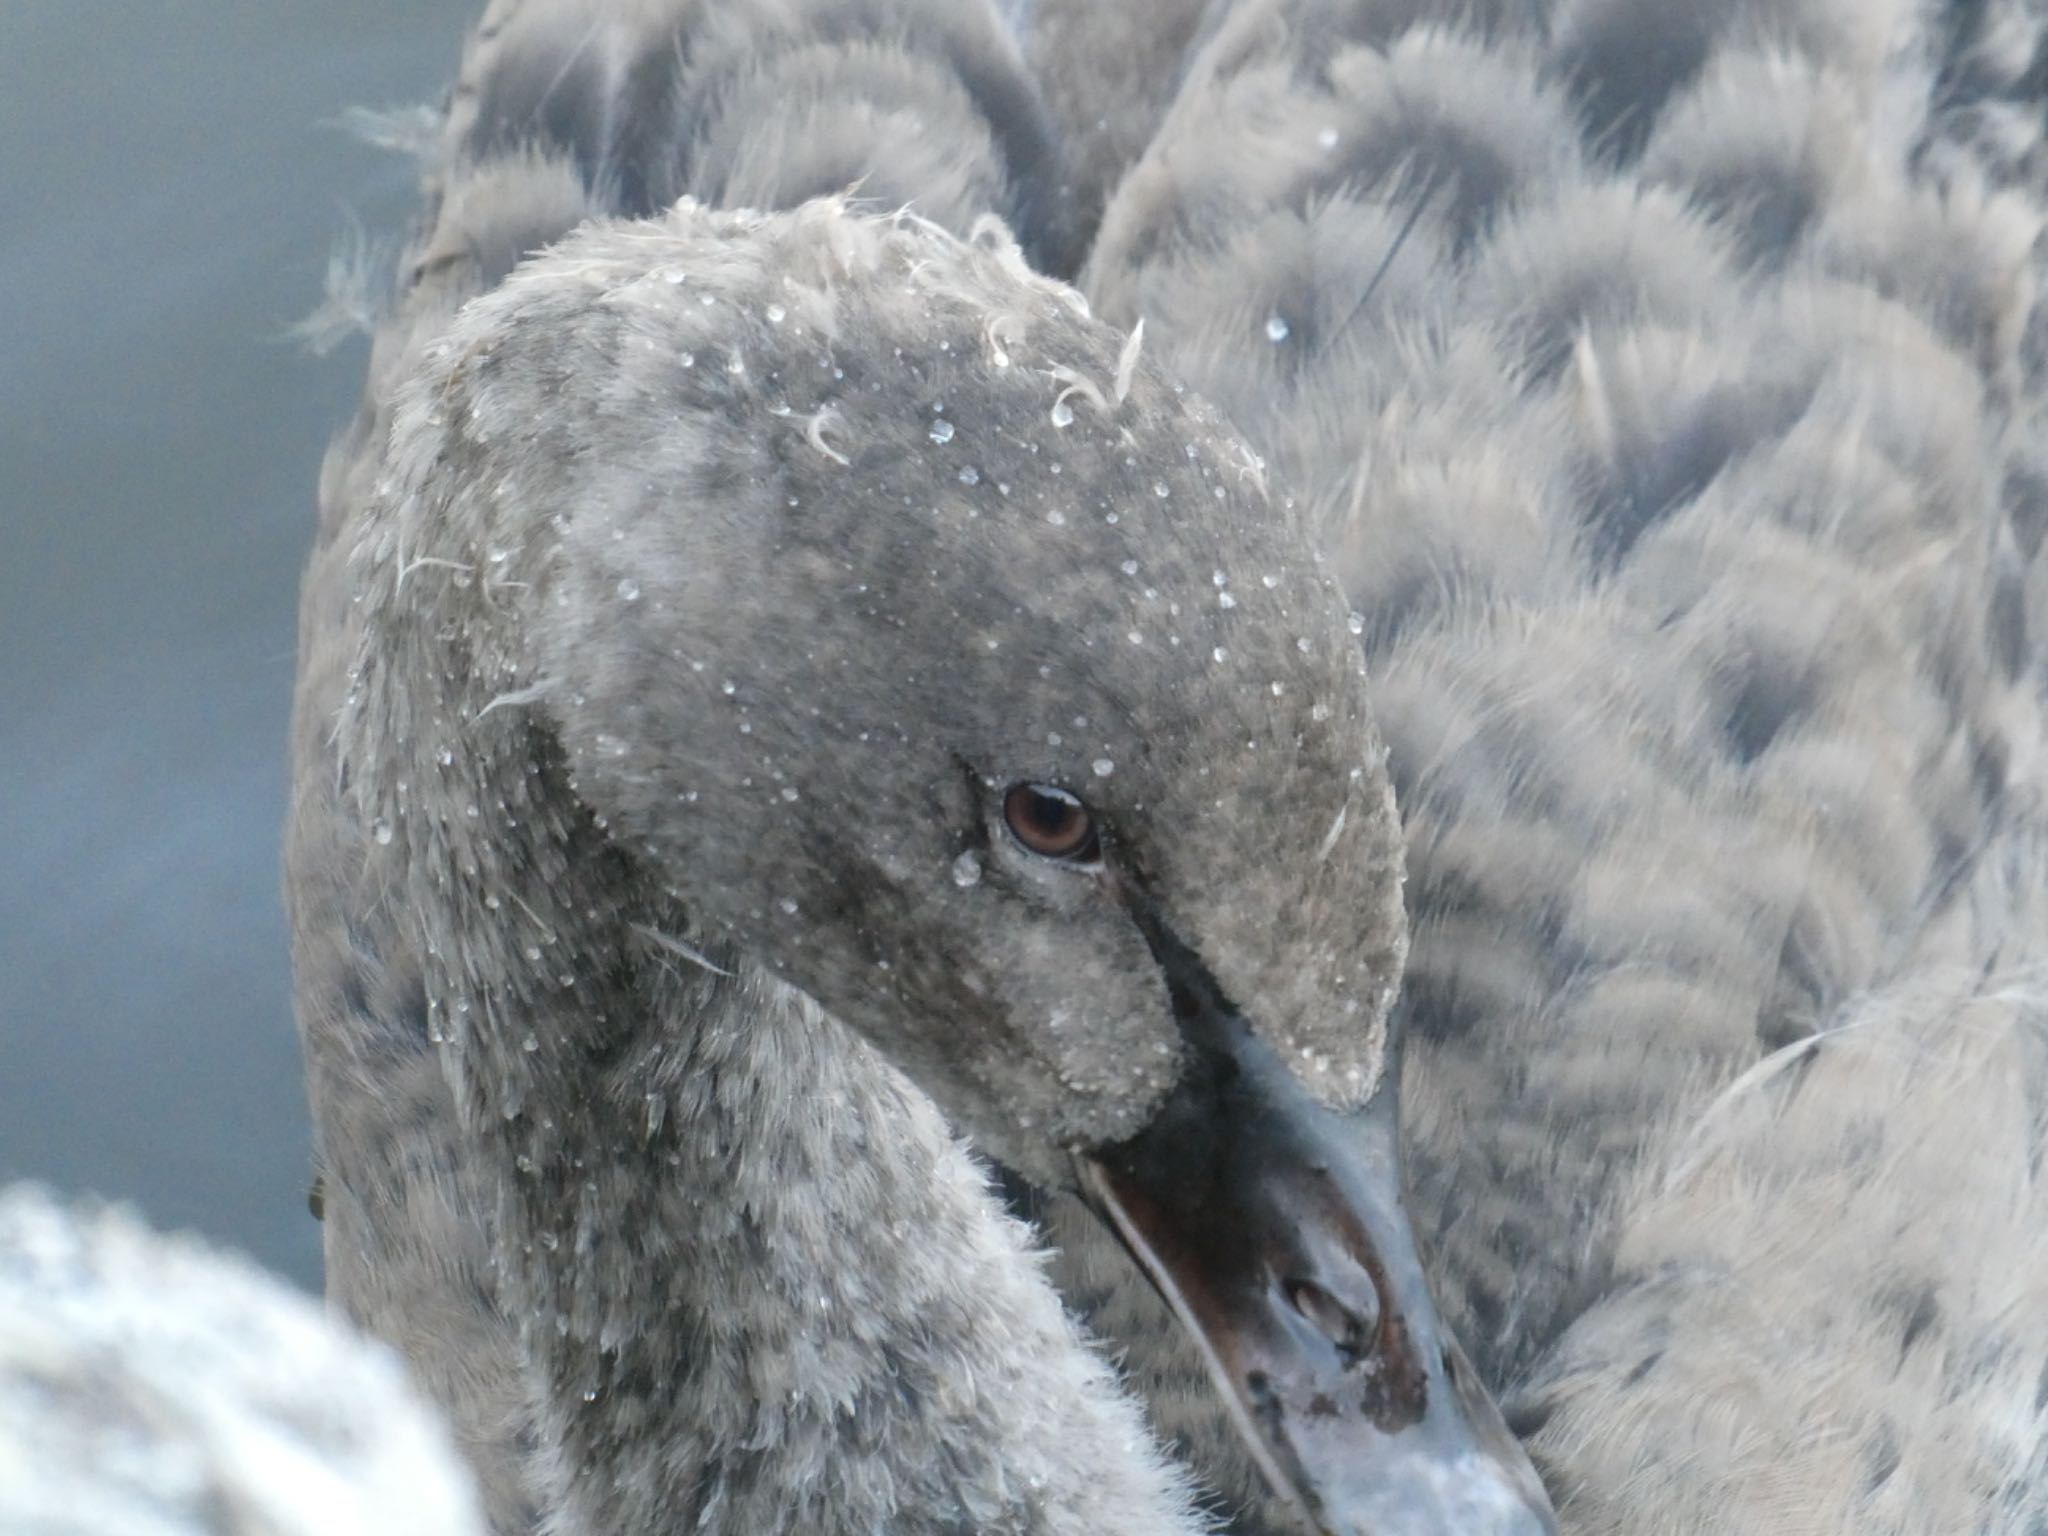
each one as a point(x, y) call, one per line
point(152, 1387)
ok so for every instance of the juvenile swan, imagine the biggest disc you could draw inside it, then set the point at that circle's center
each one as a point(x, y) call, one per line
point(771, 682)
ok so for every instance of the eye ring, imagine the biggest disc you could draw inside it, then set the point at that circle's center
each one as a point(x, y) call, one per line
point(1051, 823)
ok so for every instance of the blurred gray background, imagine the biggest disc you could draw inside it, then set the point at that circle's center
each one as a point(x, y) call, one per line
point(172, 180)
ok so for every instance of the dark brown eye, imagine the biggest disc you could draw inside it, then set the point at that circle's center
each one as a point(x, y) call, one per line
point(1050, 823)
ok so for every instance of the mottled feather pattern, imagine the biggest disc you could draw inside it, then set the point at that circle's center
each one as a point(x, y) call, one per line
point(765, 105)
point(1664, 378)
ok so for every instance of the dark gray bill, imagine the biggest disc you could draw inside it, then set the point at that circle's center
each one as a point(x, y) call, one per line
point(1275, 1230)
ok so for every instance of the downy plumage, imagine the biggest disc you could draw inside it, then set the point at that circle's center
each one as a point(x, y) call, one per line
point(1662, 384)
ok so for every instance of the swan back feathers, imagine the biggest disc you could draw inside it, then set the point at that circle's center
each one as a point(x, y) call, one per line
point(1664, 457)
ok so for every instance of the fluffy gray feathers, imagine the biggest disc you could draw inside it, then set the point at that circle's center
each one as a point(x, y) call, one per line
point(681, 1249)
point(415, 1232)
point(1664, 382)
point(150, 1386)
point(1665, 379)
point(766, 105)
point(650, 1149)
point(1108, 73)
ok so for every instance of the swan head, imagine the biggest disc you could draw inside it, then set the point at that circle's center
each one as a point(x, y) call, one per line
point(941, 658)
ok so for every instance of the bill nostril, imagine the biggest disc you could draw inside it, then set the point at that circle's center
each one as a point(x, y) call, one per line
point(1350, 1323)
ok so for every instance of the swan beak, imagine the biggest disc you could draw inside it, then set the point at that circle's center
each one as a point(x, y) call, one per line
point(1275, 1230)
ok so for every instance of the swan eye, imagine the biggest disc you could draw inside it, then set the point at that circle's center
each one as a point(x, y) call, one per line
point(1051, 823)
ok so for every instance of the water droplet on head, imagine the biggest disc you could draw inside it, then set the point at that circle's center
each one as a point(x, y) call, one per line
point(970, 476)
point(381, 831)
point(1130, 567)
point(1355, 623)
point(1327, 138)
point(1103, 767)
point(629, 589)
point(942, 431)
point(1161, 489)
point(967, 869)
point(777, 314)
point(1269, 582)
point(1219, 654)
point(1276, 328)
point(1062, 414)
point(1225, 600)
point(788, 905)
